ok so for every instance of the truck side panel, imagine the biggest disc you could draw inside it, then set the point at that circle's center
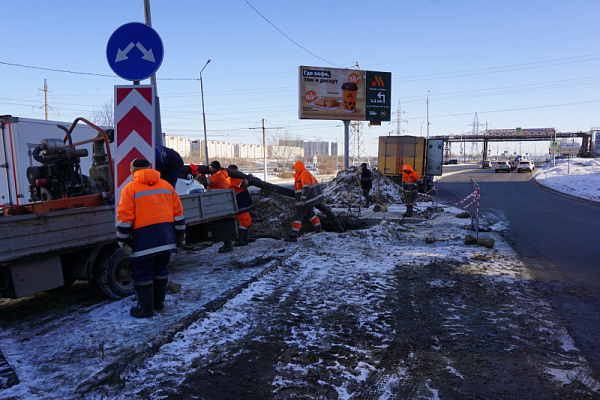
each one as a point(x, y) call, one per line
point(397, 151)
point(54, 232)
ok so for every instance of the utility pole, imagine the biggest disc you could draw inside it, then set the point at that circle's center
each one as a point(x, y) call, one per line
point(428, 114)
point(399, 128)
point(158, 136)
point(265, 147)
point(204, 115)
point(46, 106)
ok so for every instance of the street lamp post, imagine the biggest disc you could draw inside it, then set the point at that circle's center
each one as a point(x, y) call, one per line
point(203, 115)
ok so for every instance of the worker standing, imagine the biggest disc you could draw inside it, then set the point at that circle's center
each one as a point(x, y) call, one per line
point(218, 179)
point(366, 182)
point(410, 180)
point(244, 203)
point(150, 227)
point(308, 195)
point(168, 163)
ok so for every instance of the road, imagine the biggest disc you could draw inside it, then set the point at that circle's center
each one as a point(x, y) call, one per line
point(555, 235)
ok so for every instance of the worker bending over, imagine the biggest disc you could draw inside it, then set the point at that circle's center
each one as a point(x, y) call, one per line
point(308, 195)
point(410, 179)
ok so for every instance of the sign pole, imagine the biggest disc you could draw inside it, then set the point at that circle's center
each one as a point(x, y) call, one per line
point(346, 144)
point(158, 137)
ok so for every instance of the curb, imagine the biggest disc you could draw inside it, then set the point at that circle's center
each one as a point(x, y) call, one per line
point(134, 357)
point(563, 193)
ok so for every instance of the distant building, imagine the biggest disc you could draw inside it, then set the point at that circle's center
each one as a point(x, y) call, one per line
point(218, 149)
point(285, 152)
point(320, 148)
point(181, 145)
point(248, 151)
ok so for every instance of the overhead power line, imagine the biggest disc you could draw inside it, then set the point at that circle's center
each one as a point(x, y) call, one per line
point(289, 38)
point(86, 73)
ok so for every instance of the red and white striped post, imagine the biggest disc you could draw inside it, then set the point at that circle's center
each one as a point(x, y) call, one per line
point(134, 130)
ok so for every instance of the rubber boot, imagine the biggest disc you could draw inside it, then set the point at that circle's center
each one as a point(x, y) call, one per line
point(227, 246)
point(291, 239)
point(318, 229)
point(249, 238)
point(160, 291)
point(243, 238)
point(409, 211)
point(145, 298)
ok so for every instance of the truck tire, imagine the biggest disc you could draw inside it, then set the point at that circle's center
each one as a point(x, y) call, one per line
point(112, 274)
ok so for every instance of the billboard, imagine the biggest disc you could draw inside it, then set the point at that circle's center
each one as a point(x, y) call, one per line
point(346, 94)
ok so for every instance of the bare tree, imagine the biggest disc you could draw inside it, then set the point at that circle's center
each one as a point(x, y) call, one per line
point(285, 149)
point(105, 116)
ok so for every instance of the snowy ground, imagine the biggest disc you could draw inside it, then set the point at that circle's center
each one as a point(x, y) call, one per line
point(396, 310)
point(579, 177)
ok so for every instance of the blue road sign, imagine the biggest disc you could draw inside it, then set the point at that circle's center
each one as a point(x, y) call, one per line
point(134, 51)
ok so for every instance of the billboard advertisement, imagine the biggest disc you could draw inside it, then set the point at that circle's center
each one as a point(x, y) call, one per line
point(344, 94)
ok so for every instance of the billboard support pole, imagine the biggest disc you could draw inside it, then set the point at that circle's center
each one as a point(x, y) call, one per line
point(346, 144)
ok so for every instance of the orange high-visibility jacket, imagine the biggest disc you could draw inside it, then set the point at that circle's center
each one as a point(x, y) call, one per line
point(149, 215)
point(306, 187)
point(409, 175)
point(219, 180)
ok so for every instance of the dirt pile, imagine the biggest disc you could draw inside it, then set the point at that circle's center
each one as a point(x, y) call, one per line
point(345, 188)
point(273, 213)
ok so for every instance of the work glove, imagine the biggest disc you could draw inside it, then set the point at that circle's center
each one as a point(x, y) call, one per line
point(126, 248)
point(250, 177)
point(181, 241)
point(301, 203)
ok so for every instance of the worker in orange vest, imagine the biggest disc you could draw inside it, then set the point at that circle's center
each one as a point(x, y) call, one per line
point(244, 203)
point(150, 227)
point(218, 179)
point(410, 179)
point(308, 195)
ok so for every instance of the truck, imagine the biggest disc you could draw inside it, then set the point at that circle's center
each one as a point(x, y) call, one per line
point(58, 224)
point(424, 155)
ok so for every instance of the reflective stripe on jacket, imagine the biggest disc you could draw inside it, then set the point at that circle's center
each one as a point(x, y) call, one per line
point(306, 187)
point(150, 215)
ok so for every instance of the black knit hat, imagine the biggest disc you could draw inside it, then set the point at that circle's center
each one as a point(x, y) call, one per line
point(233, 166)
point(215, 164)
point(139, 163)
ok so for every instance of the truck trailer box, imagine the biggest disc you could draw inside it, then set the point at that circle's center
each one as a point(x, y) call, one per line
point(397, 151)
point(19, 136)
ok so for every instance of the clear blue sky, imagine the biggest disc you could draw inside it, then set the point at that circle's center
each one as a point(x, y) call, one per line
point(517, 63)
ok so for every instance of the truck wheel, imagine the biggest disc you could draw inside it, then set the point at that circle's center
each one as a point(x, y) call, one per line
point(112, 274)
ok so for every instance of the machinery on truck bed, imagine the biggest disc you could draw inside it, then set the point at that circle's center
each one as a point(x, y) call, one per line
point(425, 156)
point(66, 229)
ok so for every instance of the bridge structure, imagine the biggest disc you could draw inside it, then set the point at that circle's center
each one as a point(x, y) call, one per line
point(516, 135)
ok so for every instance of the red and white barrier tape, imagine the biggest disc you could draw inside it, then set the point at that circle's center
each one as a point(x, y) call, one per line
point(476, 195)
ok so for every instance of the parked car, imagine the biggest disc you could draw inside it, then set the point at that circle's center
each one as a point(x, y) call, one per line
point(525, 166)
point(502, 166)
point(452, 161)
point(486, 164)
point(513, 165)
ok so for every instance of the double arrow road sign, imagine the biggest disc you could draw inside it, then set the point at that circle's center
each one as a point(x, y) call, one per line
point(134, 51)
